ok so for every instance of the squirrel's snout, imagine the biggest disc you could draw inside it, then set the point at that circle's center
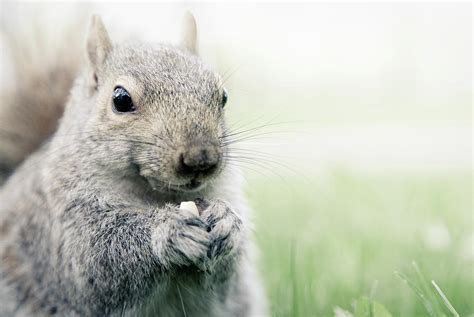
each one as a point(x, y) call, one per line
point(196, 160)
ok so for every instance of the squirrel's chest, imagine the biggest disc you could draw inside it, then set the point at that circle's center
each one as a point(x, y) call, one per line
point(188, 298)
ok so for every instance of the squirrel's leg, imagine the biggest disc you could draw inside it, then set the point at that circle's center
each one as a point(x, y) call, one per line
point(118, 255)
point(229, 266)
point(225, 228)
point(227, 239)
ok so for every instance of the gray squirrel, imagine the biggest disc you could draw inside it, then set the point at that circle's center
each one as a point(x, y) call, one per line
point(90, 223)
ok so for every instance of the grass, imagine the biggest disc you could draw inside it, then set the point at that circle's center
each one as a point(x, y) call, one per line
point(329, 241)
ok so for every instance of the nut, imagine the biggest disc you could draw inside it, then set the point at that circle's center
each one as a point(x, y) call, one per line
point(190, 206)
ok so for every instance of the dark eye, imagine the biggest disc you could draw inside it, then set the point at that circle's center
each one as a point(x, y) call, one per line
point(122, 101)
point(224, 98)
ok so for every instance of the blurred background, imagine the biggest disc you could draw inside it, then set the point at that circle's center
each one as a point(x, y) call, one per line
point(357, 148)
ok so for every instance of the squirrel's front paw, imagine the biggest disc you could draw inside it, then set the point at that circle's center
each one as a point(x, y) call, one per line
point(225, 228)
point(181, 238)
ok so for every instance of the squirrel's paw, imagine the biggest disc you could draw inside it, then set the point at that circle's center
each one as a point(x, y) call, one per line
point(181, 238)
point(225, 228)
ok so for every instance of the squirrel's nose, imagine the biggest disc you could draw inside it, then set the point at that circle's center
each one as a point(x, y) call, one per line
point(197, 159)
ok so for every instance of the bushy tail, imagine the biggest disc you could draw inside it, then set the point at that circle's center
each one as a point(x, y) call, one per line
point(44, 47)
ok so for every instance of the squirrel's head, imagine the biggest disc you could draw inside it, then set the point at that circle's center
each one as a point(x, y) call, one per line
point(158, 110)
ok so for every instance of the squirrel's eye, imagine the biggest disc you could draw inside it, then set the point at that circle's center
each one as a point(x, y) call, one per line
point(122, 101)
point(224, 98)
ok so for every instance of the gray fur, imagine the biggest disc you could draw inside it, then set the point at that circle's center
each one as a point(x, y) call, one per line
point(89, 224)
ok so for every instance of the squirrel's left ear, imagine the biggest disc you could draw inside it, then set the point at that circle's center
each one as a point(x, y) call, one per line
point(98, 44)
point(190, 37)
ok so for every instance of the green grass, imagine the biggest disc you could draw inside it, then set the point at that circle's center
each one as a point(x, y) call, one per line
point(326, 242)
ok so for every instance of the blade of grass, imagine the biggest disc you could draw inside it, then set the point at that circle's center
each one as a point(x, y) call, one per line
point(425, 286)
point(445, 299)
point(373, 289)
point(294, 284)
point(418, 293)
point(371, 297)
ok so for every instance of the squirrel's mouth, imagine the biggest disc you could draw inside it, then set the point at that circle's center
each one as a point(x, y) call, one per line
point(192, 183)
point(191, 186)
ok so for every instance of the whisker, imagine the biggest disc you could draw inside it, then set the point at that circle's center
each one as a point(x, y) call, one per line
point(236, 164)
point(260, 136)
point(237, 132)
point(261, 153)
point(264, 162)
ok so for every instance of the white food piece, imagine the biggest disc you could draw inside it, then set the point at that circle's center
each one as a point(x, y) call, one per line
point(190, 206)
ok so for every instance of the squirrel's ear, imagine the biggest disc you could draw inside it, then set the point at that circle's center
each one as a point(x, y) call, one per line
point(190, 38)
point(98, 43)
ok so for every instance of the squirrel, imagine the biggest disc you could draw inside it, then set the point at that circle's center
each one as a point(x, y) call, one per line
point(90, 223)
